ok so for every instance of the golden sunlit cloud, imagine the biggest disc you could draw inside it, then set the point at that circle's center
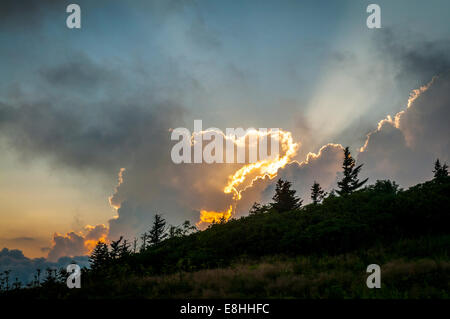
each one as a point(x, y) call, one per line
point(263, 168)
point(94, 236)
point(248, 174)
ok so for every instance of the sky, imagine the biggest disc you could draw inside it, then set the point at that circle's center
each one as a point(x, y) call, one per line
point(78, 106)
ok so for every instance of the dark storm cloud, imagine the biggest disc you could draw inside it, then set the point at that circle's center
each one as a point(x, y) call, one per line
point(413, 56)
point(106, 132)
point(79, 73)
point(66, 136)
point(28, 14)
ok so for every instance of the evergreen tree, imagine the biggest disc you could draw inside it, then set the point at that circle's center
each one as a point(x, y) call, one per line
point(158, 231)
point(119, 248)
point(99, 256)
point(115, 248)
point(317, 193)
point(350, 181)
point(284, 198)
point(440, 171)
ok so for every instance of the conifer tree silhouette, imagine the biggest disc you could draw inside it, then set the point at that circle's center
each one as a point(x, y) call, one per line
point(158, 231)
point(440, 171)
point(317, 193)
point(115, 248)
point(99, 257)
point(284, 198)
point(350, 181)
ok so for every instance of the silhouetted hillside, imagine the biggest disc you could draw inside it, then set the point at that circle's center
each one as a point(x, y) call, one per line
point(376, 214)
point(398, 225)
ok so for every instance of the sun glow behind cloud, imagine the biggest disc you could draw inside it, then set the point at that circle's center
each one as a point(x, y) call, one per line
point(244, 177)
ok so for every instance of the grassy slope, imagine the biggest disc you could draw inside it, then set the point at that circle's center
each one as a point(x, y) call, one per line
point(341, 276)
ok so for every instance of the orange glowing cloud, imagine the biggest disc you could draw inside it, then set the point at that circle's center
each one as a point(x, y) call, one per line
point(77, 243)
